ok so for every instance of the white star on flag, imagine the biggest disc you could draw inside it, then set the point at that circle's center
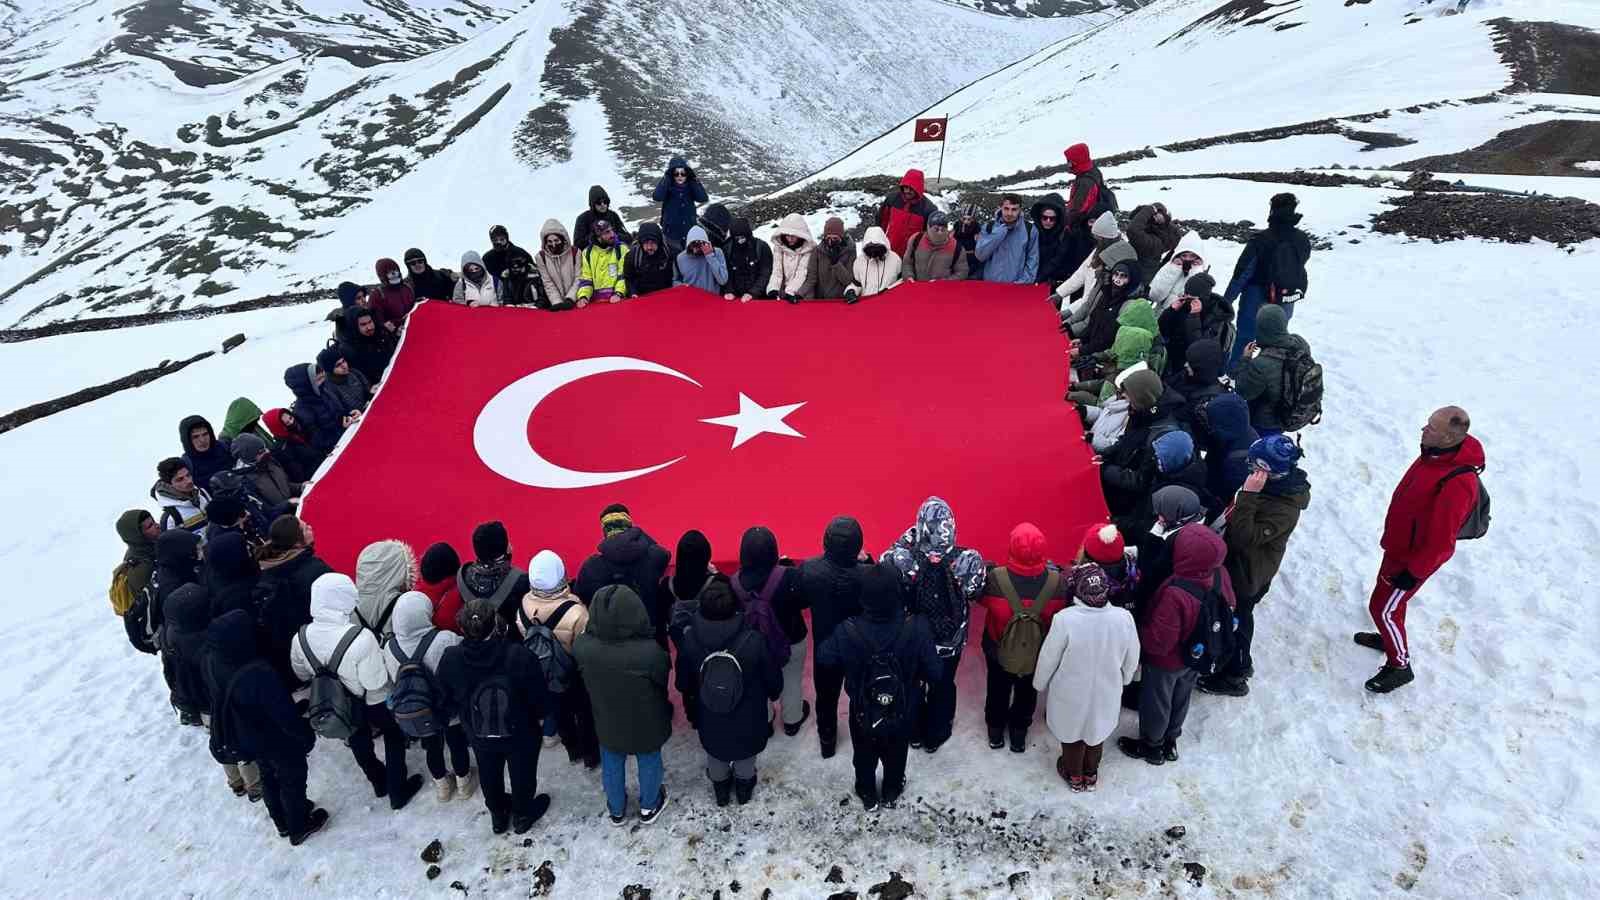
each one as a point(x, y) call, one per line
point(753, 419)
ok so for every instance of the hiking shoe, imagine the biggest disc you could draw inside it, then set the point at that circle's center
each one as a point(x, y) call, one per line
point(1140, 750)
point(191, 718)
point(407, 791)
point(805, 713)
point(238, 789)
point(255, 795)
point(869, 802)
point(997, 738)
point(1223, 686)
point(931, 748)
point(723, 791)
point(1077, 783)
point(744, 789)
point(445, 788)
point(1389, 678)
point(500, 820)
point(1370, 639)
point(1019, 741)
point(646, 816)
point(541, 805)
point(314, 823)
point(1169, 750)
point(618, 821)
point(829, 745)
point(467, 784)
point(916, 743)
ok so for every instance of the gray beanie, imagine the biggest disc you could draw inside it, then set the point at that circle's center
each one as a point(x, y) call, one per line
point(1105, 227)
point(246, 447)
point(1176, 505)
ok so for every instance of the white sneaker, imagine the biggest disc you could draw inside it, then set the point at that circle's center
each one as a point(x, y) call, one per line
point(469, 784)
point(445, 788)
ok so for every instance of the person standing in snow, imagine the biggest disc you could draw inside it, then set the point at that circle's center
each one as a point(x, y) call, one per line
point(289, 567)
point(1263, 517)
point(832, 584)
point(436, 577)
point(1086, 200)
point(368, 348)
point(1008, 246)
point(1260, 373)
point(905, 212)
point(599, 208)
point(1168, 279)
point(522, 285)
point(700, 264)
point(1196, 313)
point(203, 455)
point(1420, 529)
point(1089, 655)
point(384, 571)
point(603, 269)
point(491, 577)
point(966, 231)
point(679, 192)
point(649, 266)
point(1049, 213)
point(1032, 591)
point(345, 391)
point(793, 273)
point(1271, 270)
point(415, 634)
point(1091, 276)
point(426, 282)
point(749, 264)
point(558, 265)
point(321, 425)
point(551, 602)
point(1155, 237)
point(627, 555)
point(773, 600)
point(876, 270)
point(934, 254)
point(183, 503)
point(718, 223)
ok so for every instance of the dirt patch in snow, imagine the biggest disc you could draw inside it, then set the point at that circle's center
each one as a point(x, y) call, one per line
point(1548, 148)
point(1549, 57)
point(1512, 218)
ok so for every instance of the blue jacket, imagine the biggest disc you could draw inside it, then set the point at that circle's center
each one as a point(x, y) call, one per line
point(678, 203)
point(1228, 424)
point(708, 273)
point(1010, 254)
point(312, 410)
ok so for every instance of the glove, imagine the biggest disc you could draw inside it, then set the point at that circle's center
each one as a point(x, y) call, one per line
point(791, 298)
point(1404, 581)
point(772, 295)
point(851, 295)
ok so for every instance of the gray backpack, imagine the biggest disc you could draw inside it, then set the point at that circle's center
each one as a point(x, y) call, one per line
point(333, 711)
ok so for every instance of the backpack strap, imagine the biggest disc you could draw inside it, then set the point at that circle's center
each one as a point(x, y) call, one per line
point(770, 589)
point(555, 617)
point(1008, 590)
point(1052, 583)
point(422, 646)
point(388, 611)
point(305, 648)
point(338, 652)
point(1477, 472)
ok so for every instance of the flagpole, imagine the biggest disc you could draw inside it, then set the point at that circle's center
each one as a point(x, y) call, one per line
point(942, 137)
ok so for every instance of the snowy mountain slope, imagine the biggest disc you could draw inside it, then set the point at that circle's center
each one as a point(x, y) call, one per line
point(160, 155)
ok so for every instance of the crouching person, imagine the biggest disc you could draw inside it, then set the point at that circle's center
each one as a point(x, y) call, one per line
point(253, 717)
point(499, 688)
point(418, 703)
point(725, 666)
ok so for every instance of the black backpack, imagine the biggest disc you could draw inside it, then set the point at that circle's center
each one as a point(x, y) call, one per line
point(1299, 391)
point(721, 674)
point(1286, 271)
point(138, 622)
point(333, 711)
point(414, 701)
point(1210, 644)
point(235, 484)
point(881, 704)
point(554, 659)
point(225, 744)
point(1477, 523)
point(488, 714)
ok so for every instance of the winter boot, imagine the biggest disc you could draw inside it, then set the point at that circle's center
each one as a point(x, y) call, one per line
point(997, 738)
point(1223, 686)
point(1019, 740)
point(723, 790)
point(1169, 750)
point(467, 784)
point(186, 717)
point(744, 789)
point(445, 788)
point(829, 743)
point(500, 820)
point(869, 797)
point(1370, 639)
point(1140, 750)
point(805, 713)
point(1389, 678)
point(1130, 696)
point(541, 805)
point(407, 791)
point(314, 823)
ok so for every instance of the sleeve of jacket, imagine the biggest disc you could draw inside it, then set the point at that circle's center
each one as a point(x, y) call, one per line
point(1243, 270)
point(719, 267)
point(1077, 281)
point(763, 273)
point(771, 672)
point(990, 237)
point(663, 189)
point(1253, 380)
point(686, 668)
point(697, 190)
point(297, 660)
point(370, 670)
point(1439, 528)
point(279, 709)
point(808, 278)
point(1055, 644)
point(1159, 633)
point(1130, 649)
point(1030, 257)
point(458, 294)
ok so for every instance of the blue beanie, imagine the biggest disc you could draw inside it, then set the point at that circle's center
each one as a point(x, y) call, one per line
point(1174, 450)
point(1276, 452)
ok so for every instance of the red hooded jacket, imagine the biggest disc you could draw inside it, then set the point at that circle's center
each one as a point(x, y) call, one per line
point(1197, 555)
point(392, 301)
point(446, 602)
point(1083, 201)
point(1027, 561)
point(273, 419)
point(900, 220)
point(1419, 532)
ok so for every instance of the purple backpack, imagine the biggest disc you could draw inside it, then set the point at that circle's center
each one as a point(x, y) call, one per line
point(759, 613)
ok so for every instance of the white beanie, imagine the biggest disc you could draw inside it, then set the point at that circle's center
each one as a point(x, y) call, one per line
point(1105, 226)
point(546, 573)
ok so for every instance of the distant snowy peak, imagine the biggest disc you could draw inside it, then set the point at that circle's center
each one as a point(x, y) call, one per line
point(1048, 8)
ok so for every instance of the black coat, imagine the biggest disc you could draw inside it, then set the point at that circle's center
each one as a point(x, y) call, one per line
point(883, 624)
point(1180, 328)
point(497, 261)
point(832, 582)
point(741, 733)
point(287, 608)
point(203, 465)
point(182, 639)
point(368, 355)
point(1053, 244)
point(749, 267)
point(632, 558)
point(258, 718)
point(468, 664)
point(176, 566)
point(481, 581)
point(1128, 468)
point(582, 229)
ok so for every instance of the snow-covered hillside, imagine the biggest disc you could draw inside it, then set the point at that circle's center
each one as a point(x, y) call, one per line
point(160, 155)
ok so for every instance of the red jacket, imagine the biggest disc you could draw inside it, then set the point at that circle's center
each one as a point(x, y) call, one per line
point(391, 301)
point(446, 602)
point(1419, 533)
point(997, 609)
point(900, 220)
point(1197, 554)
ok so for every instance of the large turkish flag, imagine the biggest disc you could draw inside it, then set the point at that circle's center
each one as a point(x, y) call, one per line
point(702, 413)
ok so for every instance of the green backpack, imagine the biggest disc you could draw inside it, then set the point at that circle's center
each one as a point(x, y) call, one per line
point(1024, 634)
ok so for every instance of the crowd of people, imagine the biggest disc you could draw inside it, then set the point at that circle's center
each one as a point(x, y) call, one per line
point(1190, 407)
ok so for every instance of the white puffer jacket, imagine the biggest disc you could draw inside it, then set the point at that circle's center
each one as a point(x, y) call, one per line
point(791, 269)
point(333, 599)
point(874, 276)
point(1169, 280)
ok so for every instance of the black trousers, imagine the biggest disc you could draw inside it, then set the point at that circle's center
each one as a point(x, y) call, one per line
point(867, 752)
point(391, 772)
point(1245, 612)
point(575, 722)
point(827, 682)
point(937, 716)
point(283, 789)
point(1010, 700)
point(455, 738)
point(521, 758)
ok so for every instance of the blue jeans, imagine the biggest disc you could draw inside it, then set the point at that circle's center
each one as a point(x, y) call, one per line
point(614, 776)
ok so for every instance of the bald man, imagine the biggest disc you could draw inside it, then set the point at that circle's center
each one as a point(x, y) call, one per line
point(1426, 513)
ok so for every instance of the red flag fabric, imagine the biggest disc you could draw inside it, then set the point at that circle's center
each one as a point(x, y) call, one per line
point(700, 413)
point(930, 130)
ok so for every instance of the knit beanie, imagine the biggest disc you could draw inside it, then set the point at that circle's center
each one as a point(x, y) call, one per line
point(328, 358)
point(1200, 285)
point(490, 541)
point(1176, 505)
point(1277, 452)
point(936, 219)
point(546, 573)
point(1174, 450)
point(1284, 203)
point(1090, 584)
point(246, 447)
point(1143, 390)
point(1027, 551)
point(834, 225)
point(615, 519)
point(439, 562)
point(1103, 543)
point(1106, 227)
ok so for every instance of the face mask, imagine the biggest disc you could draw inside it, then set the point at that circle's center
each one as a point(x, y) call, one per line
point(1161, 529)
point(394, 278)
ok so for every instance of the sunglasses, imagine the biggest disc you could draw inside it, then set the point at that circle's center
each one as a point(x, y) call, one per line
point(416, 263)
point(680, 174)
point(1048, 217)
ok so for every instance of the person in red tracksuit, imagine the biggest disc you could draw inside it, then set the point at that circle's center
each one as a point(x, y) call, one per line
point(1419, 535)
point(905, 212)
point(1010, 698)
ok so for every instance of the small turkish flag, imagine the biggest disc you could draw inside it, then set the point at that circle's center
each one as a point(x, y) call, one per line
point(697, 413)
point(931, 130)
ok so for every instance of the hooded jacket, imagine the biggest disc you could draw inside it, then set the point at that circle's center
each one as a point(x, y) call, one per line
point(1259, 528)
point(322, 425)
point(257, 714)
point(384, 571)
point(742, 732)
point(480, 580)
point(1426, 511)
point(285, 584)
point(882, 625)
point(368, 355)
point(560, 271)
point(1252, 273)
point(216, 458)
point(1181, 328)
point(1009, 253)
point(333, 605)
point(1197, 554)
point(758, 557)
point(1128, 469)
point(1167, 280)
point(1260, 380)
point(412, 620)
point(344, 395)
point(539, 606)
point(583, 228)
point(177, 564)
point(749, 262)
point(708, 273)
point(605, 274)
point(793, 272)
point(1089, 196)
point(498, 259)
point(1090, 278)
point(1102, 326)
point(874, 276)
point(832, 581)
point(244, 418)
point(392, 301)
point(926, 260)
point(933, 539)
point(644, 273)
point(632, 558)
point(1228, 439)
point(899, 219)
point(717, 222)
point(469, 663)
point(230, 574)
point(182, 639)
point(833, 272)
point(1156, 243)
point(483, 292)
point(1053, 242)
point(1199, 380)
point(1029, 571)
point(626, 673)
point(679, 204)
point(140, 556)
point(430, 283)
